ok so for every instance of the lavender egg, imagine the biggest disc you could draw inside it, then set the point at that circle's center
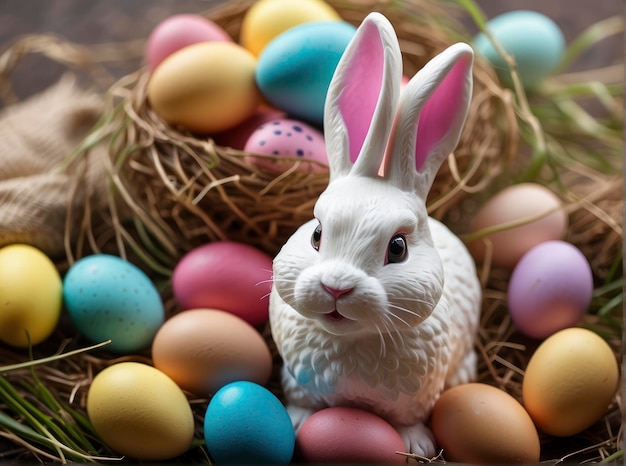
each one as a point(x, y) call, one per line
point(550, 289)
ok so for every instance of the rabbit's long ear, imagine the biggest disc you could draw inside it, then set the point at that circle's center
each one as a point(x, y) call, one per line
point(362, 99)
point(433, 108)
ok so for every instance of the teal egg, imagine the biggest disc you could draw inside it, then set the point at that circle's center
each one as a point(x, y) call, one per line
point(245, 423)
point(294, 70)
point(534, 40)
point(108, 298)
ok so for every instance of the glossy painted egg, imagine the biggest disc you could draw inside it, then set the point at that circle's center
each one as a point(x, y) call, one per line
point(205, 349)
point(140, 412)
point(294, 70)
point(30, 295)
point(109, 298)
point(348, 435)
point(247, 424)
point(289, 139)
point(479, 423)
point(521, 216)
point(550, 289)
point(179, 31)
point(534, 40)
point(226, 275)
point(570, 381)
point(266, 19)
point(206, 87)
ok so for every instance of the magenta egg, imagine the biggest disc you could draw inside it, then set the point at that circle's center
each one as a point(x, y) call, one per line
point(178, 31)
point(283, 137)
point(225, 275)
point(550, 289)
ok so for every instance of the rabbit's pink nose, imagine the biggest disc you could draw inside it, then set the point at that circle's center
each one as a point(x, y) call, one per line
point(335, 292)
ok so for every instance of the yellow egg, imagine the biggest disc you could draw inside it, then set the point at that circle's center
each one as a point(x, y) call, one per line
point(528, 214)
point(31, 295)
point(570, 381)
point(266, 19)
point(140, 412)
point(206, 87)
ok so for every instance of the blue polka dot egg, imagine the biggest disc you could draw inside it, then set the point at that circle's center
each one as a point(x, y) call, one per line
point(245, 423)
point(109, 298)
point(287, 140)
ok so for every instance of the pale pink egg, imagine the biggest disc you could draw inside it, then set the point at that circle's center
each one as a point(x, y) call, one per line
point(178, 31)
point(290, 139)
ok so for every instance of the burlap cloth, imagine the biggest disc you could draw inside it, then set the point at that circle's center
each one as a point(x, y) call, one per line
point(38, 185)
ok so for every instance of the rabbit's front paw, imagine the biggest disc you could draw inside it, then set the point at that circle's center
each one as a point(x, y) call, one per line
point(418, 439)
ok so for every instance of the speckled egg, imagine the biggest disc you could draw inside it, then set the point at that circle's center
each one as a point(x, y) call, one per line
point(570, 381)
point(140, 412)
point(286, 138)
point(348, 435)
point(245, 423)
point(550, 289)
point(109, 298)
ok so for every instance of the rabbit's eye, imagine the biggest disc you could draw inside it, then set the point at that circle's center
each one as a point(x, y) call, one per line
point(397, 250)
point(316, 237)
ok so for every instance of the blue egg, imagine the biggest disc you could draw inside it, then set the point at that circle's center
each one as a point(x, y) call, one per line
point(246, 424)
point(109, 298)
point(294, 70)
point(534, 40)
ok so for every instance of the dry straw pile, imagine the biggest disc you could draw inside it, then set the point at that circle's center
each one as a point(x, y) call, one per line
point(169, 191)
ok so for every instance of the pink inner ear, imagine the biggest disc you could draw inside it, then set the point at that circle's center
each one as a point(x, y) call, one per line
point(362, 83)
point(440, 111)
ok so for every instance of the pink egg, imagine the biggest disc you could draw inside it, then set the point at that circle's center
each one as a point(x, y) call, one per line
point(550, 289)
point(238, 136)
point(225, 275)
point(348, 435)
point(287, 138)
point(179, 31)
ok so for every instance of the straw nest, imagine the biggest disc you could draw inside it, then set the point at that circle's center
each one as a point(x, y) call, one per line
point(175, 190)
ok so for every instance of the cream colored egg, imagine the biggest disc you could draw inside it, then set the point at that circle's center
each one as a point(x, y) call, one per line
point(140, 412)
point(570, 381)
point(31, 294)
point(266, 19)
point(207, 87)
point(521, 216)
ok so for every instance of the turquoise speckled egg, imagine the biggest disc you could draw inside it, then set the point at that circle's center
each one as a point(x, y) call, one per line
point(246, 424)
point(534, 40)
point(294, 70)
point(109, 298)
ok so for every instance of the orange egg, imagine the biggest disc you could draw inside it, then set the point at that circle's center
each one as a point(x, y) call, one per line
point(525, 215)
point(204, 349)
point(479, 423)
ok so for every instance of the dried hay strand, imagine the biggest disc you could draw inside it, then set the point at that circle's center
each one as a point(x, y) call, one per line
point(171, 190)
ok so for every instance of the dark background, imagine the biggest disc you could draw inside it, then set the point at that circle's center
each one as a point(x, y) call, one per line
point(103, 21)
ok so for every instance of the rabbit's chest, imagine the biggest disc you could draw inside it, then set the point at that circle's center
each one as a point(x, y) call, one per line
point(398, 376)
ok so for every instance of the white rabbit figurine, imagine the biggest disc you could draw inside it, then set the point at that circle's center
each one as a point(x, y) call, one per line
point(375, 304)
